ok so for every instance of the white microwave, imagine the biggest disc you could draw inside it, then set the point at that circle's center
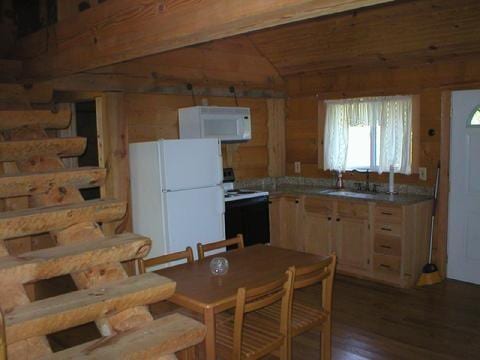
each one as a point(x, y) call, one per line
point(229, 124)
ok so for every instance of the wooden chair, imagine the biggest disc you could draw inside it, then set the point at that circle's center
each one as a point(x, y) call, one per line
point(240, 338)
point(306, 317)
point(202, 249)
point(164, 308)
point(187, 254)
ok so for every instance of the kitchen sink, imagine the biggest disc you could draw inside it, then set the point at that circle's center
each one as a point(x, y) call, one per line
point(352, 194)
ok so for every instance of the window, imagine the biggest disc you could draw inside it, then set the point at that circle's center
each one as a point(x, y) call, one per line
point(369, 133)
point(474, 119)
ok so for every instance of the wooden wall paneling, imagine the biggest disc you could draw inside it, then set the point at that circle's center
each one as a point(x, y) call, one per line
point(441, 225)
point(10, 70)
point(121, 30)
point(276, 137)
point(301, 133)
point(463, 71)
point(152, 117)
point(423, 31)
point(113, 153)
point(322, 115)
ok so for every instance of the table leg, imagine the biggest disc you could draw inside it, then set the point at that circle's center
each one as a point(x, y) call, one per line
point(209, 320)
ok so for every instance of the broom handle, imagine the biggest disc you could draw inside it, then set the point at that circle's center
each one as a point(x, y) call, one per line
point(434, 209)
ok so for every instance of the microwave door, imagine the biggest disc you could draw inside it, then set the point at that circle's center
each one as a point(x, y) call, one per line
point(219, 127)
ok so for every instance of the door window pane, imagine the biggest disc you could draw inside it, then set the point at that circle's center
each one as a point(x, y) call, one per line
point(475, 118)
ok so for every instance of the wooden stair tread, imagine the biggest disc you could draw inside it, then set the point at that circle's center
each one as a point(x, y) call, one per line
point(39, 183)
point(61, 260)
point(44, 219)
point(258, 336)
point(61, 312)
point(164, 336)
point(25, 149)
point(304, 316)
point(11, 119)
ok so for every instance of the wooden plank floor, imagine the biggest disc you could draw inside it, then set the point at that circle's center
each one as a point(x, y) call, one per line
point(374, 321)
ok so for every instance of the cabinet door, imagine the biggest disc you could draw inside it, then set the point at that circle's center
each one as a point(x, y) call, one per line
point(292, 237)
point(275, 221)
point(317, 232)
point(352, 243)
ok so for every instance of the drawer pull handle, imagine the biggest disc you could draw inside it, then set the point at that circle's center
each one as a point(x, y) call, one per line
point(329, 218)
point(385, 246)
point(338, 219)
point(386, 229)
point(385, 266)
point(386, 213)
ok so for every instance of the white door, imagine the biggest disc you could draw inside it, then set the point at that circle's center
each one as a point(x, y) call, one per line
point(464, 196)
point(190, 163)
point(194, 216)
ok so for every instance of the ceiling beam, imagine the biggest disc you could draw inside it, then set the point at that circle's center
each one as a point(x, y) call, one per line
point(122, 30)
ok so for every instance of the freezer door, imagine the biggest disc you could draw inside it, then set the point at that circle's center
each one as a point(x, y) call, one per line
point(194, 216)
point(190, 163)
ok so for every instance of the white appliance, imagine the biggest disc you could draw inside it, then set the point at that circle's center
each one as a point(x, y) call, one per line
point(229, 124)
point(177, 193)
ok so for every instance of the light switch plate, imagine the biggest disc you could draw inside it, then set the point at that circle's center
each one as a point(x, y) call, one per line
point(297, 167)
point(422, 173)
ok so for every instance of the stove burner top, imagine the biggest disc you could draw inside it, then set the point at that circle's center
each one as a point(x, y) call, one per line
point(243, 194)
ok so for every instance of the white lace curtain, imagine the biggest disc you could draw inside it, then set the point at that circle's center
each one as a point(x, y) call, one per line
point(391, 115)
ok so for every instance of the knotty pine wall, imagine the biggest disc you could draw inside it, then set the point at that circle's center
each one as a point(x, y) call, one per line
point(153, 116)
point(427, 81)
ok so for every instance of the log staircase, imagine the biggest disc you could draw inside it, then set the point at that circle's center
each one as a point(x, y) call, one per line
point(38, 195)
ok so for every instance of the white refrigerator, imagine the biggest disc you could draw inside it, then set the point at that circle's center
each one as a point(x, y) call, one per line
point(177, 194)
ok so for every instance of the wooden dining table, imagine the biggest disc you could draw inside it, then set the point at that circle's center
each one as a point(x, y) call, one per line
point(202, 292)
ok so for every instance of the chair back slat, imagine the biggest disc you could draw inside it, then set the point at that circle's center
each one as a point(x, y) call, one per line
point(204, 248)
point(186, 254)
point(264, 301)
point(311, 274)
point(302, 282)
point(260, 297)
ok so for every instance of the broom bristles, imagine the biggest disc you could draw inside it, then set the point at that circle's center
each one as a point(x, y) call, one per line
point(429, 278)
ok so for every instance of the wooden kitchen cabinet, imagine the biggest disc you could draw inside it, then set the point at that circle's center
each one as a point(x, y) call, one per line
point(317, 225)
point(290, 213)
point(352, 239)
point(274, 212)
point(373, 240)
point(352, 235)
point(284, 228)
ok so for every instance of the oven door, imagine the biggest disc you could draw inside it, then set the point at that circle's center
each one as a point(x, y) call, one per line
point(250, 218)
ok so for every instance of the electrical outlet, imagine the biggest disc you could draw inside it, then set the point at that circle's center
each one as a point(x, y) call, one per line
point(297, 166)
point(422, 173)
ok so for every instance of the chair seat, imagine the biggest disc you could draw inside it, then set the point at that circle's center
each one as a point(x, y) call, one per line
point(259, 337)
point(304, 317)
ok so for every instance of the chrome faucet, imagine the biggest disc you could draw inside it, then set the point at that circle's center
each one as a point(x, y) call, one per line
point(367, 181)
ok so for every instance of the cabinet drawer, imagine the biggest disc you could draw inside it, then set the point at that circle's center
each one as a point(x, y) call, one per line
point(389, 214)
point(388, 245)
point(352, 209)
point(318, 205)
point(386, 264)
point(388, 229)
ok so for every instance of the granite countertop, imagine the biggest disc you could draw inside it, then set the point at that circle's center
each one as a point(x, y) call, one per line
point(398, 199)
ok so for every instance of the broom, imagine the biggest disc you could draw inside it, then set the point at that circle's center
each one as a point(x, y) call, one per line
point(430, 274)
